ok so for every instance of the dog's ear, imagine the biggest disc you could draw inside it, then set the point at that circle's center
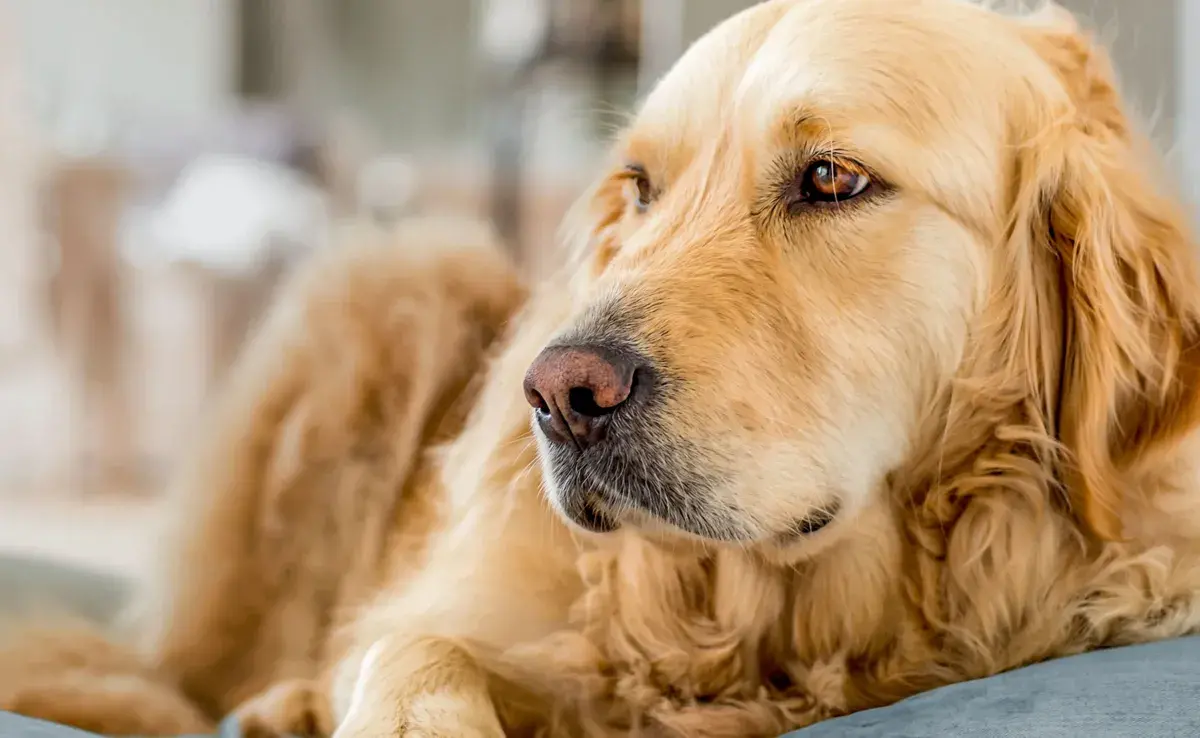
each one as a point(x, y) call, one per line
point(1130, 297)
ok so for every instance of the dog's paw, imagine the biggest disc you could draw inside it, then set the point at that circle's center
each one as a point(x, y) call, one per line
point(293, 708)
point(427, 716)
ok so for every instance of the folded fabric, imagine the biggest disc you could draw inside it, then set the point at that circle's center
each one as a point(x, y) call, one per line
point(16, 726)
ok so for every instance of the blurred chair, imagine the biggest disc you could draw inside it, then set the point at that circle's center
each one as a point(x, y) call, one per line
point(85, 199)
point(190, 223)
point(598, 40)
point(20, 316)
point(233, 226)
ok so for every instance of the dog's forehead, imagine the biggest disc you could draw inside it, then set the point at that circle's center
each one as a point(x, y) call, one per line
point(692, 99)
point(925, 91)
point(867, 58)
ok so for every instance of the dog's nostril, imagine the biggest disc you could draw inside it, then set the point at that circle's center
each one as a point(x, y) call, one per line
point(583, 401)
point(538, 402)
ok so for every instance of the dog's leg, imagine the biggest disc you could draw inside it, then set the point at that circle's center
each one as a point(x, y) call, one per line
point(298, 707)
point(495, 583)
point(502, 574)
point(295, 499)
point(430, 687)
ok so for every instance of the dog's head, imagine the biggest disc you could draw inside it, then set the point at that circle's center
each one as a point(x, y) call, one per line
point(829, 223)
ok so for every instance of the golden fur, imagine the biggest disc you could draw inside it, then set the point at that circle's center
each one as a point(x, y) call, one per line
point(986, 372)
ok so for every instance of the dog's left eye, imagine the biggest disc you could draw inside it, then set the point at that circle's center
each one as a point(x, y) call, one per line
point(826, 182)
point(642, 189)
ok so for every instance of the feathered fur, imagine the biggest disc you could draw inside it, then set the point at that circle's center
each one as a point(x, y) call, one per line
point(986, 372)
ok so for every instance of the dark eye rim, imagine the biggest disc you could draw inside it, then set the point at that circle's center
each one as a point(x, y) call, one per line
point(799, 195)
point(645, 193)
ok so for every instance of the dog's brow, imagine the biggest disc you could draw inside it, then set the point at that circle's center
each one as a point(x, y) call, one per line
point(802, 122)
point(799, 120)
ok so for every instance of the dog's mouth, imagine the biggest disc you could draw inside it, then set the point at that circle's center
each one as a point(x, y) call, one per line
point(602, 491)
point(604, 512)
point(633, 482)
point(590, 513)
point(810, 524)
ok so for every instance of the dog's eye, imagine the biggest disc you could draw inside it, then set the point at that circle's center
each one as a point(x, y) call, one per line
point(643, 190)
point(826, 182)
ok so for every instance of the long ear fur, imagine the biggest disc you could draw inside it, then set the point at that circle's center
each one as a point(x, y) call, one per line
point(1131, 298)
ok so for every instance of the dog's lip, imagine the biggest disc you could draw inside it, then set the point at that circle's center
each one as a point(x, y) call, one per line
point(811, 524)
point(815, 522)
point(587, 513)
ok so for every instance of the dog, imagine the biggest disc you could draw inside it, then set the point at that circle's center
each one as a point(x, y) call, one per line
point(873, 368)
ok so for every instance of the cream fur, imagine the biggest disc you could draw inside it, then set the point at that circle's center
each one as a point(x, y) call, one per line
point(987, 369)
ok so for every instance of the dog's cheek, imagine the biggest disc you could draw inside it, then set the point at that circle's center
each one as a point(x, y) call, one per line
point(607, 243)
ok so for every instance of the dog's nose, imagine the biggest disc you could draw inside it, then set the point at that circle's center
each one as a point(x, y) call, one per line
point(575, 389)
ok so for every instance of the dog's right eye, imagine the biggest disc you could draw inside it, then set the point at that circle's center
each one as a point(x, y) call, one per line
point(827, 183)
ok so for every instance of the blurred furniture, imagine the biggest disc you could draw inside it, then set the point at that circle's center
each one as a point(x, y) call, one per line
point(233, 226)
point(595, 41)
point(663, 39)
point(19, 237)
point(223, 209)
point(168, 246)
point(29, 585)
point(84, 199)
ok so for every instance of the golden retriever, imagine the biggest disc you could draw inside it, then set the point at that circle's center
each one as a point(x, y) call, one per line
point(874, 369)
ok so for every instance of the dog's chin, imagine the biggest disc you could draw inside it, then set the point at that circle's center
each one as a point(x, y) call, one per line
point(604, 508)
point(591, 513)
point(636, 479)
point(594, 502)
point(650, 481)
point(586, 512)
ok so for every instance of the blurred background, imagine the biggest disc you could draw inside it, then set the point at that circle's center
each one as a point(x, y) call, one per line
point(163, 162)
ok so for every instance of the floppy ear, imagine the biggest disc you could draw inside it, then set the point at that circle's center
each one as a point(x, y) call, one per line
point(1130, 296)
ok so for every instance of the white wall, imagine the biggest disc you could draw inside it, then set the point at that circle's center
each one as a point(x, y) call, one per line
point(130, 57)
point(1143, 38)
point(18, 207)
point(1188, 59)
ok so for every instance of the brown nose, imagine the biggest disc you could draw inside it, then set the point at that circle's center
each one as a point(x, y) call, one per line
point(575, 389)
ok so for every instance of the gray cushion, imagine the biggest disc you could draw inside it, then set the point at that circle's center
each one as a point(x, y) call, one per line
point(15, 726)
point(1150, 691)
point(28, 586)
